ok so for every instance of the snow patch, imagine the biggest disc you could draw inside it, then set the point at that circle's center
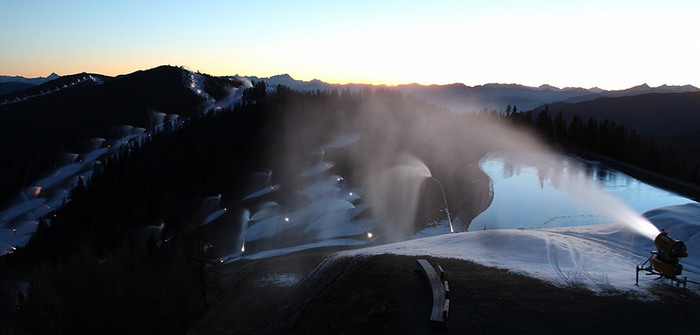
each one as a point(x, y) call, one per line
point(283, 251)
point(280, 280)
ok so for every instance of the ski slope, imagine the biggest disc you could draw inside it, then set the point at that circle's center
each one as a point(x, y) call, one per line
point(19, 220)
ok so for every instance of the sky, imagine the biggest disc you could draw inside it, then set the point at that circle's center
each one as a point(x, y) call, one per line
point(608, 44)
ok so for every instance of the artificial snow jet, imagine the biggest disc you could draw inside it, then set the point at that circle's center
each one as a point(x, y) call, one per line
point(665, 261)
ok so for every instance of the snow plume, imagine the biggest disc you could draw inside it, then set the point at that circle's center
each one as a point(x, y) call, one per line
point(234, 95)
point(246, 82)
point(156, 117)
point(397, 192)
point(19, 221)
point(554, 191)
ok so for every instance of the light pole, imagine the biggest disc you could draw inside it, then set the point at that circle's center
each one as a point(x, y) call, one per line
point(447, 210)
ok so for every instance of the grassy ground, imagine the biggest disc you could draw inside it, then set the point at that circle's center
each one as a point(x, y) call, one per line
point(389, 294)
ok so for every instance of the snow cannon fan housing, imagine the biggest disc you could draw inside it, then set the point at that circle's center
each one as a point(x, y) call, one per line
point(669, 251)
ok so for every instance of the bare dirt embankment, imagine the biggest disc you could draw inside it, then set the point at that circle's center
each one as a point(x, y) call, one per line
point(389, 294)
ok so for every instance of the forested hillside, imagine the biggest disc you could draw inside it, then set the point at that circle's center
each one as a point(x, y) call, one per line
point(672, 156)
point(134, 227)
point(651, 114)
point(37, 132)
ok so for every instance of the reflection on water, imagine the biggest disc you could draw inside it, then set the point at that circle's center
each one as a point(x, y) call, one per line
point(535, 190)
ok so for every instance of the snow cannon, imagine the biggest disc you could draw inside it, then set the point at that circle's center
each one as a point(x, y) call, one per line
point(665, 261)
point(669, 251)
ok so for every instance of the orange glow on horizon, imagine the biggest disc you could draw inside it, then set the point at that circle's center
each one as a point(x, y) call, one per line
point(113, 70)
point(610, 45)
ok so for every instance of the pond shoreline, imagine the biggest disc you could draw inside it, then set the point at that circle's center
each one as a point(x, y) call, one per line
point(557, 189)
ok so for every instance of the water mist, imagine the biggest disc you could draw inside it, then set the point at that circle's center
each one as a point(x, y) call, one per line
point(396, 141)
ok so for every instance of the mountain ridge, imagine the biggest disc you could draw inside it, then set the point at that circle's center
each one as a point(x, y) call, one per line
point(287, 77)
point(462, 98)
point(65, 120)
point(35, 81)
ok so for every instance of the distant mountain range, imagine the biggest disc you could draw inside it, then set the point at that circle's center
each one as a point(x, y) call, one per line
point(9, 84)
point(34, 81)
point(458, 97)
point(463, 98)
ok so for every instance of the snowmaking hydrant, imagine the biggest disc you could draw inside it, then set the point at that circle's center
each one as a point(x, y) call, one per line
point(665, 261)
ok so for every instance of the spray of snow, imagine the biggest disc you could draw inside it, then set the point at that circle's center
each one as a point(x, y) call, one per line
point(397, 194)
point(327, 215)
point(545, 190)
point(263, 191)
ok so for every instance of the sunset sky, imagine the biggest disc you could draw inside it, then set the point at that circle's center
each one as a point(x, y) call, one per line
point(609, 44)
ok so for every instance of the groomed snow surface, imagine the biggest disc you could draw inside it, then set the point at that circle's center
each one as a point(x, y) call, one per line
point(600, 257)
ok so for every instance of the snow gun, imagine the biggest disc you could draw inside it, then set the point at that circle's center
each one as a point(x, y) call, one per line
point(665, 261)
point(669, 251)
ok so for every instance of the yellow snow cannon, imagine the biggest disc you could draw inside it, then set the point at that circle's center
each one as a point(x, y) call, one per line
point(665, 261)
point(669, 251)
